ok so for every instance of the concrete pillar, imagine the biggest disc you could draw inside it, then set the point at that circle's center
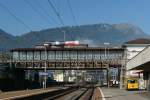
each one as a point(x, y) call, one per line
point(146, 78)
point(121, 78)
point(148, 85)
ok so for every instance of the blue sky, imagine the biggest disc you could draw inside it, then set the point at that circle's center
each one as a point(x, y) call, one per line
point(135, 12)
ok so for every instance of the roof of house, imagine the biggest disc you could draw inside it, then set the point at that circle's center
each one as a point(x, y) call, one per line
point(139, 41)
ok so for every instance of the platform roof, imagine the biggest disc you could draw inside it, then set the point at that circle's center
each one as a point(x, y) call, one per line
point(141, 61)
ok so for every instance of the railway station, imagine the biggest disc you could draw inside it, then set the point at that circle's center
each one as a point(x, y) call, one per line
point(74, 50)
point(65, 69)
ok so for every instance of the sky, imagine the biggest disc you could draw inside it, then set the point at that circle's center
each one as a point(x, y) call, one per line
point(35, 15)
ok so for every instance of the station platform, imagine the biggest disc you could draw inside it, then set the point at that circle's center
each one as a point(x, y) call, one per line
point(122, 94)
point(25, 93)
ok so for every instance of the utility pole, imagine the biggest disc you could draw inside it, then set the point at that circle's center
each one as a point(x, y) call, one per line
point(64, 32)
point(108, 74)
point(121, 76)
point(122, 73)
point(45, 68)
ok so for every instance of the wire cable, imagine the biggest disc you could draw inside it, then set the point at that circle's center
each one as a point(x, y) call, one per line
point(60, 19)
point(56, 12)
point(73, 16)
point(37, 11)
point(14, 16)
point(71, 10)
point(43, 9)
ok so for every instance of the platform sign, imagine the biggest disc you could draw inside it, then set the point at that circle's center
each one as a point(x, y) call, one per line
point(43, 74)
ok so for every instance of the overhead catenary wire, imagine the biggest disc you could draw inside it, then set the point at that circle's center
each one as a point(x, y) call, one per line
point(37, 11)
point(40, 6)
point(14, 16)
point(45, 12)
point(72, 13)
point(56, 12)
point(60, 19)
point(73, 16)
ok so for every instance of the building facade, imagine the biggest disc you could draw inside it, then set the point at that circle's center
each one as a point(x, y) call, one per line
point(133, 48)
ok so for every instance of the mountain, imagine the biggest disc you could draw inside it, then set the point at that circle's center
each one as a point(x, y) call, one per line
point(6, 40)
point(92, 34)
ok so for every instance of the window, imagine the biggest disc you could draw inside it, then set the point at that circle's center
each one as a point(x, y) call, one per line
point(66, 55)
point(58, 55)
point(102, 54)
point(96, 55)
point(15, 55)
point(89, 55)
point(36, 55)
point(29, 55)
point(22, 55)
point(51, 55)
point(43, 57)
point(81, 55)
point(73, 55)
point(132, 81)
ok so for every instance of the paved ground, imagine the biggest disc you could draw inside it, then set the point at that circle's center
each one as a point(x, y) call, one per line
point(97, 94)
point(24, 93)
point(120, 94)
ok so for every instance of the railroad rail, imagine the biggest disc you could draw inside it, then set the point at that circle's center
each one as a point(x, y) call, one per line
point(35, 94)
point(71, 93)
point(76, 94)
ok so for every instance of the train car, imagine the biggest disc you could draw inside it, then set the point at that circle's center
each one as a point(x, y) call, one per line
point(132, 84)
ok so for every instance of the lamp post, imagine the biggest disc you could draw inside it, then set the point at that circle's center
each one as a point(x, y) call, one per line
point(107, 44)
point(45, 68)
point(64, 32)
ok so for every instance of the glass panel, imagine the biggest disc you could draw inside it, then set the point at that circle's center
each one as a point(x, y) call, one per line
point(81, 55)
point(29, 55)
point(96, 55)
point(89, 55)
point(111, 56)
point(73, 55)
point(102, 54)
point(22, 55)
point(132, 81)
point(51, 55)
point(58, 55)
point(43, 55)
point(15, 55)
point(66, 55)
point(36, 55)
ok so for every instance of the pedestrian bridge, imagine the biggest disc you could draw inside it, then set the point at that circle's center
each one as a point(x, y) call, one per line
point(141, 61)
point(67, 58)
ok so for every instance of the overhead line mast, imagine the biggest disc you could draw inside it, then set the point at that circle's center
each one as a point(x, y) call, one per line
point(59, 17)
point(73, 16)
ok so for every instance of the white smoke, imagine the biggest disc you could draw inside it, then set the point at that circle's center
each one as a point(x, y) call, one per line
point(91, 43)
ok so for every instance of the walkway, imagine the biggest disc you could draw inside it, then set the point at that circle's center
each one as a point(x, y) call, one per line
point(24, 93)
point(121, 94)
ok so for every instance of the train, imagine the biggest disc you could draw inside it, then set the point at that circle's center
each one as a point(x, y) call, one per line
point(132, 84)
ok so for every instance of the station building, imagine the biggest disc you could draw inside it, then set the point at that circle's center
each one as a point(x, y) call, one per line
point(133, 48)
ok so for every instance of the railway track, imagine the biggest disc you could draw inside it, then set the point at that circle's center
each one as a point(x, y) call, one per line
point(78, 94)
point(72, 93)
point(45, 95)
